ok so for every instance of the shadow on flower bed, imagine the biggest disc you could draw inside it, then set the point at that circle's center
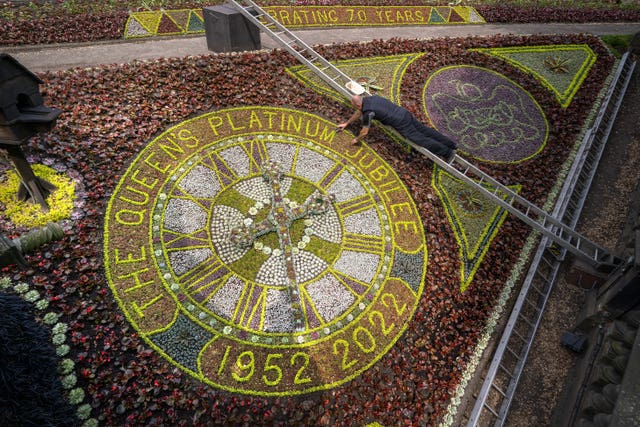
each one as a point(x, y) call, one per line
point(30, 390)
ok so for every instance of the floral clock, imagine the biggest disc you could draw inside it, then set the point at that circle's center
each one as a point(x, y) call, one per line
point(261, 253)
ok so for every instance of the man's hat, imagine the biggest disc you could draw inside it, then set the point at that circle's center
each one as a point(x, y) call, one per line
point(355, 87)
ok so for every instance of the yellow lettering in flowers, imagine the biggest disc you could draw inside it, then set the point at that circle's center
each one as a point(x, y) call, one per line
point(284, 18)
point(294, 125)
point(379, 173)
point(129, 258)
point(233, 125)
point(137, 279)
point(169, 146)
point(327, 135)
point(129, 217)
point(215, 122)
point(270, 115)
point(400, 208)
point(391, 189)
point(155, 164)
point(139, 309)
point(187, 137)
point(254, 121)
point(297, 17)
point(142, 198)
point(143, 180)
point(406, 227)
point(164, 272)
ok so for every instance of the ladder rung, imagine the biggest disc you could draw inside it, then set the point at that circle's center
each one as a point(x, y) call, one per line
point(505, 370)
point(536, 289)
point(523, 318)
point(490, 409)
point(532, 305)
point(499, 390)
point(517, 334)
point(546, 261)
point(512, 352)
point(545, 278)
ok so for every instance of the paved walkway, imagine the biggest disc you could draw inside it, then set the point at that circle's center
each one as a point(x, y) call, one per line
point(59, 57)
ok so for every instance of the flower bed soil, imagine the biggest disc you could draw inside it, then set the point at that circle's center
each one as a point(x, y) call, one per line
point(111, 114)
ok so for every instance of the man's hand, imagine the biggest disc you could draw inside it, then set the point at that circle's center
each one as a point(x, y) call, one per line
point(341, 126)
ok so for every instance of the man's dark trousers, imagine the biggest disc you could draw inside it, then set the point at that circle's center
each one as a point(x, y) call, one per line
point(424, 136)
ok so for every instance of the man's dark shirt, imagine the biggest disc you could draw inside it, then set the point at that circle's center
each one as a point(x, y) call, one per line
point(390, 114)
point(383, 110)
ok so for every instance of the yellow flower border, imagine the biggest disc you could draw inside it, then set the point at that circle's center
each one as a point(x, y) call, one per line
point(284, 354)
point(321, 16)
point(526, 92)
point(564, 98)
point(29, 214)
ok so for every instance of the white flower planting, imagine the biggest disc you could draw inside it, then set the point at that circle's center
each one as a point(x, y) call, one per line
point(327, 227)
point(346, 187)
point(236, 159)
point(330, 297)
point(312, 165)
point(278, 317)
point(185, 260)
point(223, 220)
point(184, 216)
point(283, 154)
point(254, 188)
point(308, 266)
point(273, 271)
point(225, 300)
point(201, 182)
point(361, 266)
point(365, 222)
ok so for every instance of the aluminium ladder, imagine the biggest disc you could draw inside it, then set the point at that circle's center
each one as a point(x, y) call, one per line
point(526, 211)
point(322, 68)
point(503, 375)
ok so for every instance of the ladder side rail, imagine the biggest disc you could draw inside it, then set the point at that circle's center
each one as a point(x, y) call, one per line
point(599, 146)
point(524, 354)
point(304, 47)
point(574, 173)
point(558, 238)
point(558, 211)
point(610, 90)
point(581, 242)
point(515, 197)
point(504, 340)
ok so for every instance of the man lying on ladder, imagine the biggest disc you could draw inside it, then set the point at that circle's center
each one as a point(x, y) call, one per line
point(371, 107)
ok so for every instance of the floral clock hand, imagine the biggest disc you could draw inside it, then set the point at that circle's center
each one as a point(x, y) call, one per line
point(283, 214)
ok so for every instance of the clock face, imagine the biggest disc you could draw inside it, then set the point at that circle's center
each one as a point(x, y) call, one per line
point(260, 252)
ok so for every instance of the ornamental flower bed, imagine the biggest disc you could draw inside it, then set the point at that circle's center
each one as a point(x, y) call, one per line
point(396, 273)
point(79, 22)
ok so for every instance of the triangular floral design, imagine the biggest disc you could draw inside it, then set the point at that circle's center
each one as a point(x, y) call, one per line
point(474, 218)
point(168, 26)
point(196, 24)
point(180, 17)
point(149, 20)
point(382, 72)
point(470, 14)
point(559, 68)
point(133, 28)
